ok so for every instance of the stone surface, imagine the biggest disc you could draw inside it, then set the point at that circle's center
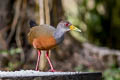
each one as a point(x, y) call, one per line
point(36, 75)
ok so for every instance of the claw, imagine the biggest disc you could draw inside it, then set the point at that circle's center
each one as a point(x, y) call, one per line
point(52, 70)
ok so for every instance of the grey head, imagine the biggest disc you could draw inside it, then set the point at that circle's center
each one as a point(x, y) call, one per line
point(62, 28)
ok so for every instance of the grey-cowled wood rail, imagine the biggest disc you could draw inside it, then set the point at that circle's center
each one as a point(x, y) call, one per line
point(46, 37)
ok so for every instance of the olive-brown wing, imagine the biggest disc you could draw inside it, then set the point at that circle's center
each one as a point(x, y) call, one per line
point(42, 37)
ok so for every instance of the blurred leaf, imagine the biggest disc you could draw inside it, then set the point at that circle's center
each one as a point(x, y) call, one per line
point(78, 36)
point(14, 51)
point(3, 52)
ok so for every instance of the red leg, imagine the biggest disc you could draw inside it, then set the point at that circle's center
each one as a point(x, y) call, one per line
point(38, 60)
point(47, 56)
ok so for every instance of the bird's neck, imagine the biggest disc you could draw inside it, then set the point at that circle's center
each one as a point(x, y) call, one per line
point(59, 35)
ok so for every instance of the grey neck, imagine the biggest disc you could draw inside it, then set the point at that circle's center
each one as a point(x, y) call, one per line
point(59, 35)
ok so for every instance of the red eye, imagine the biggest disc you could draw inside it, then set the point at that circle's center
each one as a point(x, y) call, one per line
point(66, 24)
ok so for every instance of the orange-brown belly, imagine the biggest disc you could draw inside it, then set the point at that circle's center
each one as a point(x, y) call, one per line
point(44, 43)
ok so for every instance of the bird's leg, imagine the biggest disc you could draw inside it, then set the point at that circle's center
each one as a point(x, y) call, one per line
point(38, 60)
point(47, 56)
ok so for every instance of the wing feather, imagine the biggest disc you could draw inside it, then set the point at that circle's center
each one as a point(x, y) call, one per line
point(42, 30)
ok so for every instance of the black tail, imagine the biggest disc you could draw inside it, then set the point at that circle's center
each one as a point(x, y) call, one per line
point(32, 23)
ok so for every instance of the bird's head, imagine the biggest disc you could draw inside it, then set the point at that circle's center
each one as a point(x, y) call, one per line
point(67, 26)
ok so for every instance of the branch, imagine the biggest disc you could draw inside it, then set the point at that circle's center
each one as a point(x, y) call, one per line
point(15, 19)
point(47, 12)
point(100, 50)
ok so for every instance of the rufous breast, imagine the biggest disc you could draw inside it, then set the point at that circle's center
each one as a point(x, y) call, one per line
point(44, 42)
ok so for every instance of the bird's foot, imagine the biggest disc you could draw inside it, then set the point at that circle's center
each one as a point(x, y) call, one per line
point(36, 69)
point(52, 70)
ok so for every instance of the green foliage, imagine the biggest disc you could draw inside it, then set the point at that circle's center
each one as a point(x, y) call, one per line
point(11, 51)
point(12, 66)
point(111, 73)
point(14, 51)
point(98, 19)
point(88, 18)
point(12, 63)
point(79, 68)
point(83, 69)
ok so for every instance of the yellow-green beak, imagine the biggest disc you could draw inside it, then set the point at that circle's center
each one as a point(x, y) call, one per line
point(74, 28)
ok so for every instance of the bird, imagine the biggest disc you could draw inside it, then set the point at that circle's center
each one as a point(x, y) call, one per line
point(45, 37)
